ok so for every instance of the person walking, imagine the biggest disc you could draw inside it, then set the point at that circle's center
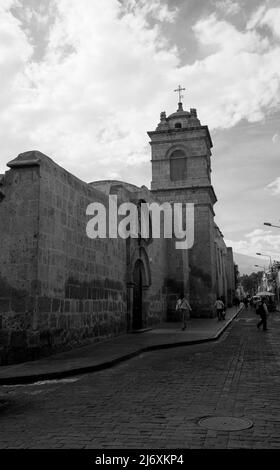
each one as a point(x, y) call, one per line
point(262, 310)
point(184, 307)
point(236, 302)
point(225, 308)
point(220, 306)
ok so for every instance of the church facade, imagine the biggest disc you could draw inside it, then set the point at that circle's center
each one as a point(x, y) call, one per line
point(60, 288)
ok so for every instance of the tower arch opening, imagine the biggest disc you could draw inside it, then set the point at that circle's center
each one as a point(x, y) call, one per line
point(178, 165)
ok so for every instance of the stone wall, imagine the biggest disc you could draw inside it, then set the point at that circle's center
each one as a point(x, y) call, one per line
point(177, 281)
point(221, 266)
point(19, 238)
point(58, 288)
point(153, 254)
point(200, 259)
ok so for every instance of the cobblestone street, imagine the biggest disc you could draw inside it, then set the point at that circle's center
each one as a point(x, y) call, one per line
point(157, 399)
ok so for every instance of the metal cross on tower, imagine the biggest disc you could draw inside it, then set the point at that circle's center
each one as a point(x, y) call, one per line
point(179, 89)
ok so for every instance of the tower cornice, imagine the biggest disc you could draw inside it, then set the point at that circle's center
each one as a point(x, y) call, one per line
point(177, 132)
point(209, 189)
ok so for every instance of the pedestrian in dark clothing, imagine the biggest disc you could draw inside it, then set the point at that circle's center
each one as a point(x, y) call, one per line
point(236, 302)
point(261, 309)
point(225, 308)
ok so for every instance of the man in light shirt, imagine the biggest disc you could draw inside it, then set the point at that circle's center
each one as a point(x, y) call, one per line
point(220, 307)
point(184, 307)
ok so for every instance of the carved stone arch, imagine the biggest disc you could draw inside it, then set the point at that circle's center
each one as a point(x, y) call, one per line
point(146, 265)
point(140, 255)
point(178, 146)
point(139, 281)
point(177, 156)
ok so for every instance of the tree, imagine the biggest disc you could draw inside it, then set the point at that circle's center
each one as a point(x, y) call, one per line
point(251, 282)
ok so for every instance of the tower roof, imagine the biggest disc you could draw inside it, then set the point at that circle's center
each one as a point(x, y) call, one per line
point(179, 120)
point(180, 113)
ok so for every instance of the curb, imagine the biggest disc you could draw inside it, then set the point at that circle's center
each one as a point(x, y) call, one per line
point(29, 379)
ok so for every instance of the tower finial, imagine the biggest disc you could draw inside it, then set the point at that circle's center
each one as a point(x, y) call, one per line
point(179, 89)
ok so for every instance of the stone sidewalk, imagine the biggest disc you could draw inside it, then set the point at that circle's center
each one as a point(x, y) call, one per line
point(108, 353)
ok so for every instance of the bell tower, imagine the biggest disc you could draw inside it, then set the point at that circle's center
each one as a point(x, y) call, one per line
point(181, 172)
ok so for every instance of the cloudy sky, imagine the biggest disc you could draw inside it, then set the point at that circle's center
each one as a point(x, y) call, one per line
point(83, 80)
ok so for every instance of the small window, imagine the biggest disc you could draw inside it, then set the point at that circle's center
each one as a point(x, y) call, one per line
point(178, 125)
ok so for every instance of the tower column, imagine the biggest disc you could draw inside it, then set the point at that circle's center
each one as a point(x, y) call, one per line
point(181, 172)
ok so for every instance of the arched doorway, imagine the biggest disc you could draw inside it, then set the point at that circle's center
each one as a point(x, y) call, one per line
point(138, 282)
point(137, 316)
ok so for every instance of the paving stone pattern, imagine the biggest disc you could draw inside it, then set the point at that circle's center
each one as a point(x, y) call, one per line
point(157, 399)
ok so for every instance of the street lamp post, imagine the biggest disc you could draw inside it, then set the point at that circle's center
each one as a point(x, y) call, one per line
point(259, 266)
point(267, 256)
point(271, 225)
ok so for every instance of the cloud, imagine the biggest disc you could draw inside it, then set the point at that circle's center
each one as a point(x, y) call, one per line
point(266, 17)
point(274, 187)
point(256, 17)
point(15, 51)
point(156, 10)
point(256, 233)
point(258, 241)
point(228, 7)
point(105, 74)
point(89, 98)
point(240, 80)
